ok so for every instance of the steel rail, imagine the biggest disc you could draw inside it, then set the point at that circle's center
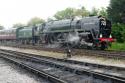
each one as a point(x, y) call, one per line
point(121, 80)
point(38, 72)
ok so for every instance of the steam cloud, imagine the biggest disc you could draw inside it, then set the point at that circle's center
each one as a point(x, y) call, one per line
point(73, 37)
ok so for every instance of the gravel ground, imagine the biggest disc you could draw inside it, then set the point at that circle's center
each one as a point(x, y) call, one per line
point(91, 59)
point(10, 73)
point(38, 52)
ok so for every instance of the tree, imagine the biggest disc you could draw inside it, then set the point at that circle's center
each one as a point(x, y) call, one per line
point(17, 25)
point(1, 27)
point(116, 11)
point(50, 19)
point(68, 13)
point(94, 12)
point(82, 12)
point(103, 12)
point(118, 31)
point(34, 21)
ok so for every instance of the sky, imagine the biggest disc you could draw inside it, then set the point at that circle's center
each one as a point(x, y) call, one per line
point(21, 11)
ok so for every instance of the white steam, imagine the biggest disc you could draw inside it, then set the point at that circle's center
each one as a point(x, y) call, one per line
point(53, 46)
point(73, 37)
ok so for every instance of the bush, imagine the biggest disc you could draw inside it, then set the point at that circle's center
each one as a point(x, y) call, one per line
point(117, 46)
point(118, 32)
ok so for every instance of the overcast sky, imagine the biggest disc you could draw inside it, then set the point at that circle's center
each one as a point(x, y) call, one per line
point(21, 11)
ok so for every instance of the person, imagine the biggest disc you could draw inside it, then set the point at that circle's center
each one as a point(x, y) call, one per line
point(68, 51)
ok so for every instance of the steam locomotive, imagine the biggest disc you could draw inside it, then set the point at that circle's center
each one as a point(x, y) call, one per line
point(94, 32)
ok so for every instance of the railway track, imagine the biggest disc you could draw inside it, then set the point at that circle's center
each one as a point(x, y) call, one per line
point(53, 72)
point(69, 71)
point(100, 53)
point(34, 70)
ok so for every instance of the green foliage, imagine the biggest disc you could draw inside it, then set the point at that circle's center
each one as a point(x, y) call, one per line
point(50, 19)
point(116, 11)
point(103, 12)
point(17, 25)
point(68, 13)
point(1, 27)
point(118, 31)
point(97, 12)
point(94, 12)
point(117, 46)
point(81, 12)
point(34, 21)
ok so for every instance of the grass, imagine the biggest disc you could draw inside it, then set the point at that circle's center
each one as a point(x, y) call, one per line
point(117, 46)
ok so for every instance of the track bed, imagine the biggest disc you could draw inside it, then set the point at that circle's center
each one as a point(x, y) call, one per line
point(80, 71)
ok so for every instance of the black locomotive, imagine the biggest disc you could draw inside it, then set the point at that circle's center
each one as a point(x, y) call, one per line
point(92, 32)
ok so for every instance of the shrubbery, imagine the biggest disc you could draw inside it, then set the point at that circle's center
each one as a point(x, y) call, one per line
point(117, 46)
point(118, 32)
